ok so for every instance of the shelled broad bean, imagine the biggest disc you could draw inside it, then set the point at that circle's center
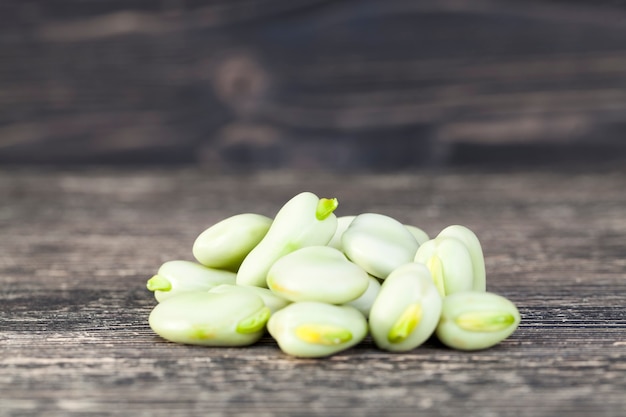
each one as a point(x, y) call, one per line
point(319, 284)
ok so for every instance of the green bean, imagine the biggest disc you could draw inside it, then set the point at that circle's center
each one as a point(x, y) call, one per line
point(313, 329)
point(407, 309)
point(366, 300)
point(449, 262)
point(305, 220)
point(343, 223)
point(475, 320)
point(317, 273)
point(225, 244)
point(211, 319)
point(273, 301)
point(378, 244)
point(419, 235)
point(174, 277)
point(475, 250)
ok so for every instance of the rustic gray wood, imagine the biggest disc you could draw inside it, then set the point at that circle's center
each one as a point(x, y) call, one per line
point(76, 247)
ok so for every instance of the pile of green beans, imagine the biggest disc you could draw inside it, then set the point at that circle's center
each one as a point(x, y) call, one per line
point(320, 284)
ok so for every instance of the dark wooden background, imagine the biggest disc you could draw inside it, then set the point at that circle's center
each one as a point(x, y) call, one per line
point(238, 84)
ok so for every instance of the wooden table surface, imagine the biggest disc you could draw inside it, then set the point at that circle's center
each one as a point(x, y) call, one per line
point(76, 247)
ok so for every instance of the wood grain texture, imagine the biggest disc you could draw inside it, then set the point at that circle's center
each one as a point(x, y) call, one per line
point(228, 83)
point(77, 246)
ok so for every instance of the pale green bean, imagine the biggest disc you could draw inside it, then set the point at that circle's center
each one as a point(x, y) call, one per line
point(273, 301)
point(211, 319)
point(378, 244)
point(343, 222)
point(314, 329)
point(449, 262)
point(475, 320)
point(407, 309)
point(225, 244)
point(475, 250)
point(317, 273)
point(419, 235)
point(174, 277)
point(366, 300)
point(305, 220)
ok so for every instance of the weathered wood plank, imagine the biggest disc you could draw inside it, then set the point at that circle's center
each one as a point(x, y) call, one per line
point(77, 246)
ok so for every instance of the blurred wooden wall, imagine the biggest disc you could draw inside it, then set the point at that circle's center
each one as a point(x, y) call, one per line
point(342, 84)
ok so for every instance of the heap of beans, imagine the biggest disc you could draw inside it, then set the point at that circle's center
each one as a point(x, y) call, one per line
point(319, 284)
